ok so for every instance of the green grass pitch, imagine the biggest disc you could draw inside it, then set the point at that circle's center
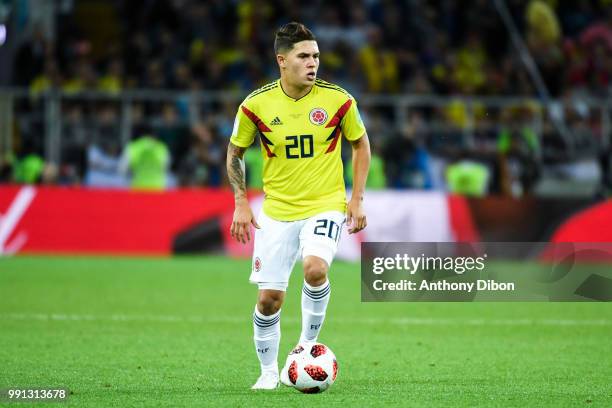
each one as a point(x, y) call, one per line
point(178, 332)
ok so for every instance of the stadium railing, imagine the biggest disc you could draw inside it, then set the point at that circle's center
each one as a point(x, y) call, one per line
point(468, 122)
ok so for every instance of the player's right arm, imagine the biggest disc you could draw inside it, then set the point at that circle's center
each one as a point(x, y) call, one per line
point(242, 137)
point(243, 215)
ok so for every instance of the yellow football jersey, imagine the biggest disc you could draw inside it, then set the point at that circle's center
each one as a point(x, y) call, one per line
point(303, 172)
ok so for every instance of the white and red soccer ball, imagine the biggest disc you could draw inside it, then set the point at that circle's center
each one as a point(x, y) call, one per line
point(312, 368)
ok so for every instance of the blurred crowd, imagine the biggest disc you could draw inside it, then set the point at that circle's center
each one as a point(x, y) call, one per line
point(368, 47)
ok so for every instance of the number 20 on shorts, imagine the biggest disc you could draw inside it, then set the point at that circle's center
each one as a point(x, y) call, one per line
point(327, 228)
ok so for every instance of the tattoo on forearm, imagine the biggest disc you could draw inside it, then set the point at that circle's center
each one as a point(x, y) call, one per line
point(235, 172)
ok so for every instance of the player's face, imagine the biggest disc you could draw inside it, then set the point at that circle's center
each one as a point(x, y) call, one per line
point(300, 65)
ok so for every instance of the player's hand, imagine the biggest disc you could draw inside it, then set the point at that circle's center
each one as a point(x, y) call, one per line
point(355, 216)
point(241, 223)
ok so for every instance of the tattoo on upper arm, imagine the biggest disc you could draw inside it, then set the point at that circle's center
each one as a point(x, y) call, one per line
point(235, 170)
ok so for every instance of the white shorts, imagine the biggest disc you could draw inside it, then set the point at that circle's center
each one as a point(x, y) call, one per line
point(279, 243)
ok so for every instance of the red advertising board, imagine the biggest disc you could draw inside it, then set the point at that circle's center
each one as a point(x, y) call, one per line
point(89, 221)
point(69, 220)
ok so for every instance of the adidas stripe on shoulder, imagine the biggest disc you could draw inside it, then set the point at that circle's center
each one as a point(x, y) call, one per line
point(263, 89)
point(328, 85)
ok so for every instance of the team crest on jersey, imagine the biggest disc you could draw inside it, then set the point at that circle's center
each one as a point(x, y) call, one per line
point(257, 264)
point(318, 116)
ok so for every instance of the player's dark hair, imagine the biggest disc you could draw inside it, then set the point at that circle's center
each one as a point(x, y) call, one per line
point(290, 34)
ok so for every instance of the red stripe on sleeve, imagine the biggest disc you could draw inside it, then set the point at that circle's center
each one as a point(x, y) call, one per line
point(334, 142)
point(266, 143)
point(335, 121)
point(256, 120)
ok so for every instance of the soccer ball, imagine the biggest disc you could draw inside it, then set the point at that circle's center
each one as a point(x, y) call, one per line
point(311, 368)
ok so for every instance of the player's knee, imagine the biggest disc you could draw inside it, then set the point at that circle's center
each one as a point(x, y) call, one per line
point(270, 302)
point(315, 271)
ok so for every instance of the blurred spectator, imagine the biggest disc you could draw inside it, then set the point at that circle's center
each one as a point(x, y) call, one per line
point(28, 169)
point(599, 31)
point(543, 40)
point(147, 160)
point(518, 152)
point(379, 64)
point(75, 138)
point(104, 165)
point(543, 28)
point(468, 177)
point(419, 84)
point(172, 131)
point(200, 164)
point(518, 125)
point(32, 57)
point(407, 161)
point(469, 73)
point(83, 77)
point(111, 82)
point(49, 78)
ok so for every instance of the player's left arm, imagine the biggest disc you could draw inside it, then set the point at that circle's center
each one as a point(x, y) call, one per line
point(355, 215)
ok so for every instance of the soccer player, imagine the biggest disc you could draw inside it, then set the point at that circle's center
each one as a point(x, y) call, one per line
point(299, 120)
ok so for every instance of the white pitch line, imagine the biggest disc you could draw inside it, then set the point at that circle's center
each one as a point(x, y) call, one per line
point(407, 321)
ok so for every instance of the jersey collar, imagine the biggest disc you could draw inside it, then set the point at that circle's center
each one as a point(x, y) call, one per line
point(293, 99)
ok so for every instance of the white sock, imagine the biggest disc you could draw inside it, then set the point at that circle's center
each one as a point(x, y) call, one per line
point(314, 305)
point(266, 331)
